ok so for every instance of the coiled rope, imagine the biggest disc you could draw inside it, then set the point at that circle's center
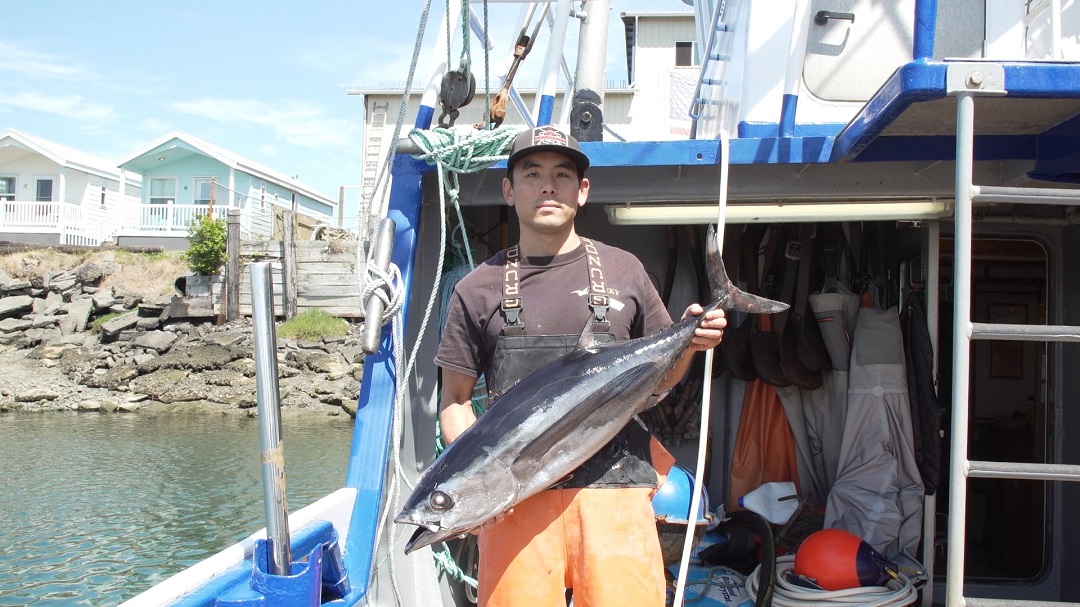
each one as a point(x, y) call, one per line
point(898, 591)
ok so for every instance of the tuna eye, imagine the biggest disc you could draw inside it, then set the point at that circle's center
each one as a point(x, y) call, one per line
point(440, 501)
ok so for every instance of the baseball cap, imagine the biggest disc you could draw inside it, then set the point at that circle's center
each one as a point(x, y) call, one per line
point(546, 139)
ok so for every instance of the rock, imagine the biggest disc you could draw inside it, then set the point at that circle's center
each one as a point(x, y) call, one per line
point(113, 378)
point(45, 321)
point(10, 325)
point(16, 285)
point(198, 358)
point(113, 327)
point(78, 314)
point(89, 274)
point(103, 299)
point(147, 324)
point(35, 394)
point(159, 341)
point(54, 304)
point(320, 362)
point(226, 338)
point(63, 283)
point(48, 351)
point(15, 305)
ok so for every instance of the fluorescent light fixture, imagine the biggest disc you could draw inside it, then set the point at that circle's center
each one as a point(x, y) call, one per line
point(774, 212)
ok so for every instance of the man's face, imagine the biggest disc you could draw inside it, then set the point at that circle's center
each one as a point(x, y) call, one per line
point(546, 192)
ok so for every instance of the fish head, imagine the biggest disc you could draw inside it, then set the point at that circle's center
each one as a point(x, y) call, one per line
point(458, 504)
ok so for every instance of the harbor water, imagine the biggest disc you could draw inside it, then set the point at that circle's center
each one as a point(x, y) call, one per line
point(95, 508)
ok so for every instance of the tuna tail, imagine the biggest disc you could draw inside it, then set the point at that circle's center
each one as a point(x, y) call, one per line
point(725, 291)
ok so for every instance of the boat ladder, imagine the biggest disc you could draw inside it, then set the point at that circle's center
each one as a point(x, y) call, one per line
point(965, 81)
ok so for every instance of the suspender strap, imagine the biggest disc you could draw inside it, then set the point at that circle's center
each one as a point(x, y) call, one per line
point(511, 300)
point(598, 297)
point(511, 305)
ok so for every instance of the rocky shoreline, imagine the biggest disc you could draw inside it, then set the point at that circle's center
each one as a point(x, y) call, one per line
point(144, 359)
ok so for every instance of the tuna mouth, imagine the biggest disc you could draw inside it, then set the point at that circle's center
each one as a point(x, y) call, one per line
point(429, 526)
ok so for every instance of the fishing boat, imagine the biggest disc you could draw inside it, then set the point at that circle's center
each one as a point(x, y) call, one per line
point(929, 145)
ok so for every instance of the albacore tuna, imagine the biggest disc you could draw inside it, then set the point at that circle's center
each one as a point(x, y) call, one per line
point(551, 422)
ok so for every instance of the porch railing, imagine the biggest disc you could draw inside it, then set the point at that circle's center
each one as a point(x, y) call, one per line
point(171, 217)
point(74, 225)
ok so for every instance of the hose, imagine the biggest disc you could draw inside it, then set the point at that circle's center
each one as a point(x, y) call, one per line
point(898, 591)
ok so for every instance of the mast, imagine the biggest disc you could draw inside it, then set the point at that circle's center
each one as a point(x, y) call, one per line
point(587, 117)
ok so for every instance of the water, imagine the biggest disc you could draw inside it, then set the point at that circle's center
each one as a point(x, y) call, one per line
point(96, 508)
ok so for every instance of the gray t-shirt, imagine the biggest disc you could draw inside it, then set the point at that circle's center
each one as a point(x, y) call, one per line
point(554, 292)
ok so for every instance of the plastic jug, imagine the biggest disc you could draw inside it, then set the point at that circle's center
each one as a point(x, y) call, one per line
point(775, 501)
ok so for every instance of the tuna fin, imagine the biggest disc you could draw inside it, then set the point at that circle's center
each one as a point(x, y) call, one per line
point(534, 455)
point(725, 291)
point(587, 339)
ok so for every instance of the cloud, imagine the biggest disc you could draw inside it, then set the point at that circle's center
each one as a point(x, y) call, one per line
point(75, 107)
point(298, 123)
point(20, 60)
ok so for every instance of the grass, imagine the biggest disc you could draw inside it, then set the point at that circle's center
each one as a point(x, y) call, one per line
point(95, 326)
point(313, 325)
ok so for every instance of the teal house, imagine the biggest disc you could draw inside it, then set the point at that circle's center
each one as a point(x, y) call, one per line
point(184, 177)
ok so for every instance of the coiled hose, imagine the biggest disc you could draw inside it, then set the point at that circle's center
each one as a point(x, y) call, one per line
point(898, 591)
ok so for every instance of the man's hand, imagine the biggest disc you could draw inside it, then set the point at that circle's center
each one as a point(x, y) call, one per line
point(709, 334)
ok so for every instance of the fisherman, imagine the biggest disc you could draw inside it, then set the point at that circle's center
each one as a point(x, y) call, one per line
point(595, 532)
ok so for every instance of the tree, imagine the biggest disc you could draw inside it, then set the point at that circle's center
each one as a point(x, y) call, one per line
point(206, 245)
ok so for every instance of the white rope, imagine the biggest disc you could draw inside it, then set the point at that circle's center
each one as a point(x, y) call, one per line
point(895, 593)
point(706, 394)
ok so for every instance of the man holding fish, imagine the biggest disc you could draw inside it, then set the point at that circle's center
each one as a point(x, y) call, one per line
point(593, 532)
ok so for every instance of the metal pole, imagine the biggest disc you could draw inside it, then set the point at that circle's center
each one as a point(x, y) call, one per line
point(267, 396)
point(961, 346)
point(381, 248)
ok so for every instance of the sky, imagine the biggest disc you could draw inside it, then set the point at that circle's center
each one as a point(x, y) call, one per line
point(266, 80)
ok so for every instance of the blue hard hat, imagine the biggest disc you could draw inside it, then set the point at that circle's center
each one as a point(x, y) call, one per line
point(672, 500)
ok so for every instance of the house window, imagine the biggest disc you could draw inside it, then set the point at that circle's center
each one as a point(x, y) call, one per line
point(684, 54)
point(44, 190)
point(204, 190)
point(162, 191)
point(7, 188)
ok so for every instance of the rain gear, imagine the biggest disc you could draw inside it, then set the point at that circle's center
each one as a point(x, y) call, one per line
point(878, 493)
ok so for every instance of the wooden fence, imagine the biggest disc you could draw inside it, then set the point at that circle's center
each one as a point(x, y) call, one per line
point(306, 274)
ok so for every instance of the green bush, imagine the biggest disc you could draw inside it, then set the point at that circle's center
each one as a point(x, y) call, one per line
point(206, 245)
point(313, 325)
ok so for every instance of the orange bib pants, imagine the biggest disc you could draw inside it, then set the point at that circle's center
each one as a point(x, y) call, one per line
point(600, 542)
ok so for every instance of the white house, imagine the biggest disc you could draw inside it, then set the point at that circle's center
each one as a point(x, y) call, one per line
point(52, 193)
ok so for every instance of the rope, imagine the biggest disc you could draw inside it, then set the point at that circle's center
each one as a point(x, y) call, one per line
point(380, 201)
point(898, 591)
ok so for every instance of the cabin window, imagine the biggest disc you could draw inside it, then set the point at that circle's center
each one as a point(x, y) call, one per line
point(7, 188)
point(684, 54)
point(44, 190)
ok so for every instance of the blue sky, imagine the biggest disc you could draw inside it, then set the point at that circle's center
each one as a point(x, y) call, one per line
point(266, 80)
